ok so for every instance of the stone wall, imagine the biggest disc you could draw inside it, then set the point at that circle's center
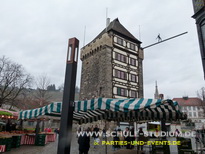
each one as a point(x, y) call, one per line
point(96, 75)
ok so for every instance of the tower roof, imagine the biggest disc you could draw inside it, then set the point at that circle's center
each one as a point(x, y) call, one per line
point(156, 94)
point(119, 29)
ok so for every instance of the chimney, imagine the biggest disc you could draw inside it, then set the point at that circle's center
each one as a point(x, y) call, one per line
point(107, 23)
point(185, 97)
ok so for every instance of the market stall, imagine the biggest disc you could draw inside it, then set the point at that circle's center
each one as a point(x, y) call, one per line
point(113, 109)
point(134, 110)
point(8, 140)
point(43, 137)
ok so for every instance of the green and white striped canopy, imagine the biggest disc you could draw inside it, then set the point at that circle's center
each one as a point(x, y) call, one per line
point(113, 109)
point(53, 109)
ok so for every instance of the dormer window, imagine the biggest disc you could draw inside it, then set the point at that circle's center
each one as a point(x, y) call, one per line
point(132, 46)
point(120, 41)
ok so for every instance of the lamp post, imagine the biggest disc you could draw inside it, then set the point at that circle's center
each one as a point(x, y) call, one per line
point(68, 97)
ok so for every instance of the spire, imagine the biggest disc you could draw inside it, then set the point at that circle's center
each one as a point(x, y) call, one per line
point(156, 94)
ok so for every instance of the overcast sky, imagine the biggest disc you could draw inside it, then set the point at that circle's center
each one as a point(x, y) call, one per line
point(35, 33)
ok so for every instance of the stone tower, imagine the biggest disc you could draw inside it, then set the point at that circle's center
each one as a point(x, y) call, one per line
point(112, 65)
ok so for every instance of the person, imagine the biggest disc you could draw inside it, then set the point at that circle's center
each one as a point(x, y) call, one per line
point(127, 137)
point(116, 146)
point(8, 126)
point(78, 131)
point(159, 38)
point(96, 135)
point(140, 138)
point(177, 132)
point(84, 143)
point(104, 133)
point(13, 126)
point(132, 138)
point(56, 131)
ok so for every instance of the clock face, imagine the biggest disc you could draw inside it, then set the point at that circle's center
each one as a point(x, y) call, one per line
point(198, 4)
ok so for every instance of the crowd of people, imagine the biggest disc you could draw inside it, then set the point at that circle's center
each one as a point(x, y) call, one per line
point(129, 137)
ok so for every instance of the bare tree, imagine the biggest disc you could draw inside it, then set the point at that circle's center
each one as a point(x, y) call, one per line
point(42, 95)
point(201, 95)
point(61, 87)
point(13, 81)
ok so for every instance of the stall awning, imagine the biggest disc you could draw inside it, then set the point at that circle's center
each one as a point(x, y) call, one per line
point(127, 110)
point(113, 109)
point(4, 113)
point(53, 109)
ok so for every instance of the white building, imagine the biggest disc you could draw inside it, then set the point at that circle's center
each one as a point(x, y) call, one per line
point(194, 109)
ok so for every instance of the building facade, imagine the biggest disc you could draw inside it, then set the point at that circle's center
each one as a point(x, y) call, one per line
point(112, 65)
point(199, 16)
point(194, 108)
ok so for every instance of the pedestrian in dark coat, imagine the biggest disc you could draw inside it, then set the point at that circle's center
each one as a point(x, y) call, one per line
point(132, 138)
point(127, 137)
point(141, 137)
point(84, 143)
point(116, 146)
point(8, 126)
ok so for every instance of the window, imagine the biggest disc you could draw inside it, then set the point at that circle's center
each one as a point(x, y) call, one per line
point(120, 57)
point(120, 41)
point(133, 94)
point(190, 114)
point(133, 61)
point(133, 78)
point(194, 108)
point(194, 114)
point(121, 92)
point(132, 46)
point(189, 107)
point(201, 114)
point(120, 74)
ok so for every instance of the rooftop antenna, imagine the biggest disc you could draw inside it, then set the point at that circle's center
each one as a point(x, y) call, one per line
point(139, 34)
point(84, 36)
point(107, 19)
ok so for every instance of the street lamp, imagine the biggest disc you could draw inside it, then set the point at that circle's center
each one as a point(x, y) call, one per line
point(68, 97)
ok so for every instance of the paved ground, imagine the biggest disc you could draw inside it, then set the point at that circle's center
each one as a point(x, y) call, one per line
point(51, 148)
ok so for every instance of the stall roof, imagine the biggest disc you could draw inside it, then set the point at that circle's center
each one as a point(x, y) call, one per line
point(112, 109)
point(11, 113)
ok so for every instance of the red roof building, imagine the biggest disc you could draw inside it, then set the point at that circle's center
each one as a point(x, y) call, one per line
point(186, 101)
point(193, 107)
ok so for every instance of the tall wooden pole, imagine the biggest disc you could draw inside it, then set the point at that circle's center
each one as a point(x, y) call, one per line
point(65, 135)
